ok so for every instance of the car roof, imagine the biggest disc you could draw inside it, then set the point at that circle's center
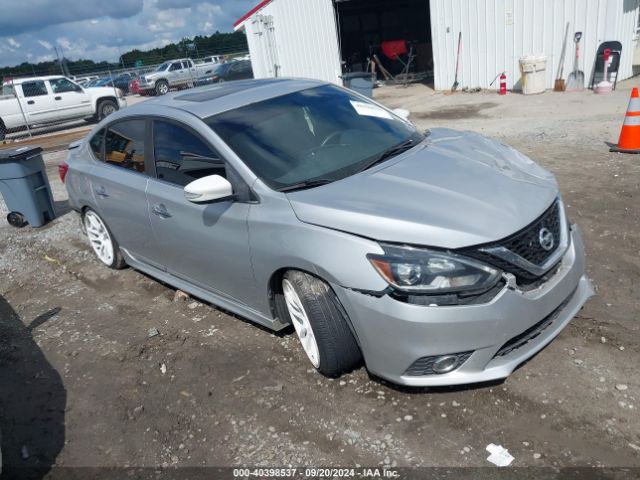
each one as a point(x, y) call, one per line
point(209, 100)
point(33, 79)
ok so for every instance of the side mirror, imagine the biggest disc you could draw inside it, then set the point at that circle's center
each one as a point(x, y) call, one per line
point(402, 113)
point(208, 189)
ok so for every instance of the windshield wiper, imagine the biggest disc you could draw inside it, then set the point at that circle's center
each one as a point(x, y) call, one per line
point(388, 153)
point(306, 184)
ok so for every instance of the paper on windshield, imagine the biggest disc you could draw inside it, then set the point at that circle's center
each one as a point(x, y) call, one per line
point(369, 110)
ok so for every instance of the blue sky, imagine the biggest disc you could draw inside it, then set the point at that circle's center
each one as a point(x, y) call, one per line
point(103, 29)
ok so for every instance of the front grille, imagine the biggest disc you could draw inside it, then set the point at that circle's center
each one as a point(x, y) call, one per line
point(532, 332)
point(525, 244)
point(424, 365)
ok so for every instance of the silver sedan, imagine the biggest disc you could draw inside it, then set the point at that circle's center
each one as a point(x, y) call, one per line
point(435, 258)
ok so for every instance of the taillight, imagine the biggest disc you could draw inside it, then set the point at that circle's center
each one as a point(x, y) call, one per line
point(63, 168)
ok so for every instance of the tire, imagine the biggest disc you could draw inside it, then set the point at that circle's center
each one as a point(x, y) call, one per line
point(102, 240)
point(3, 131)
point(162, 87)
point(106, 108)
point(17, 220)
point(326, 324)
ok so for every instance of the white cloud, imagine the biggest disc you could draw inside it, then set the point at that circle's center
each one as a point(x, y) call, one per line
point(45, 44)
point(108, 32)
point(13, 42)
point(64, 43)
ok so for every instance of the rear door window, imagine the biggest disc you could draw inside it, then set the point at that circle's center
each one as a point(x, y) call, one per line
point(124, 144)
point(181, 156)
point(34, 89)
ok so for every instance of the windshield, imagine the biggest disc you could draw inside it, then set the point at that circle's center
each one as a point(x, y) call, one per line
point(162, 67)
point(321, 133)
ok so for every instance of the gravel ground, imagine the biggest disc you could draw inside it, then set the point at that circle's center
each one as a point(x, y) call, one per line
point(83, 385)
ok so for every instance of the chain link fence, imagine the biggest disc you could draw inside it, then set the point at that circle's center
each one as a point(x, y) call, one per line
point(67, 103)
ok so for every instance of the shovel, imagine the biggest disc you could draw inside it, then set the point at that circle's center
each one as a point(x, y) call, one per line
point(559, 85)
point(575, 82)
point(455, 81)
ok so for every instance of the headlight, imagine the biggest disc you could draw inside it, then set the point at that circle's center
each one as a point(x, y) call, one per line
point(418, 270)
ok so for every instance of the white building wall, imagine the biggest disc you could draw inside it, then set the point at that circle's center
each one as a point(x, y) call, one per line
point(496, 33)
point(303, 43)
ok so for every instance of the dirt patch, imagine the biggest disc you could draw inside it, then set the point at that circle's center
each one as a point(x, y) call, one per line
point(86, 386)
point(457, 112)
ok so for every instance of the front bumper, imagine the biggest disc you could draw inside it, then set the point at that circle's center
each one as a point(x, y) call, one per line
point(147, 85)
point(122, 103)
point(393, 334)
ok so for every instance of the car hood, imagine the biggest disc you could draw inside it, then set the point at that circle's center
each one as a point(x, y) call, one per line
point(455, 189)
point(100, 90)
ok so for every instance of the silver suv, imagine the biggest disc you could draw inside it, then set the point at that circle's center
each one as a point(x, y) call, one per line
point(172, 74)
point(438, 258)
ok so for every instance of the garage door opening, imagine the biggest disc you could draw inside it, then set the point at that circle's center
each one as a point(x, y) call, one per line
point(382, 27)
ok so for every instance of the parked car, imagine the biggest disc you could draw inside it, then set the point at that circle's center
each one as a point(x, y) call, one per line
point(103, 82)
point(82, 81)
point(206, 63)
point(440, 258)
point(178, 73)
point(122, 81)
point(209, 76)
point(234, 70)
point(134, 87)
point(52, 99)
point(92, 83)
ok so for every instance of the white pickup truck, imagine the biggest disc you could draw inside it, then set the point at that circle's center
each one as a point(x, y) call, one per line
point(53, 99)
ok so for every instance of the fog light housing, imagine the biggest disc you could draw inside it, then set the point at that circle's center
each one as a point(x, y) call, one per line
point(445, 363)
point(437, 364)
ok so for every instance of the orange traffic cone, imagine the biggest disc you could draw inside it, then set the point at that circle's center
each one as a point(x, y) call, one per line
point(629, 141)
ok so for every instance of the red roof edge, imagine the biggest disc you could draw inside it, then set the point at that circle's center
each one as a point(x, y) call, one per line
point(262, 4)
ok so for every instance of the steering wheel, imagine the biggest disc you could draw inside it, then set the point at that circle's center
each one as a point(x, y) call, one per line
point(330, 137)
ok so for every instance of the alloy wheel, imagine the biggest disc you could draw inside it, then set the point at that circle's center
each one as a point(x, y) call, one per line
point(99, 237)
point(301, 323)
point(108, 109)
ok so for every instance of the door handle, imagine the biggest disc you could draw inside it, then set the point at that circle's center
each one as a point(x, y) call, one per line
point(160, 210)
point(101, 192)
point(57, 98)
point(31, 102)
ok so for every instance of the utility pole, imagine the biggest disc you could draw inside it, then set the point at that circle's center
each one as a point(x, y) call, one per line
point(58, 57)
point(63, 63)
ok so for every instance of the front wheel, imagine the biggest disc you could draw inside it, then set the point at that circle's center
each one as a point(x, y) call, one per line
point(106, 108)
point(104, 245)
point(320, 323)
point(162, 88)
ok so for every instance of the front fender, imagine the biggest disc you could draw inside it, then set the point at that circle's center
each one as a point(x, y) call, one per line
point(278, 240)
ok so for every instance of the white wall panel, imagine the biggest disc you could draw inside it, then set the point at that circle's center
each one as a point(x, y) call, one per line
point(305, 39)
point(496, 33)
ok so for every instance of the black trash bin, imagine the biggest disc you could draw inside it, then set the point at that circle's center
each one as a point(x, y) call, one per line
point(360, 82)
point(25, 187)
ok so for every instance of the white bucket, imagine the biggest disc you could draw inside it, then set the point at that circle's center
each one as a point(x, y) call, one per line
point(534, 73)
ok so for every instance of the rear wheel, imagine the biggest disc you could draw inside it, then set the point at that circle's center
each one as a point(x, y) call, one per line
point(320, 323)
point(104, 245)
point(3, 131)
